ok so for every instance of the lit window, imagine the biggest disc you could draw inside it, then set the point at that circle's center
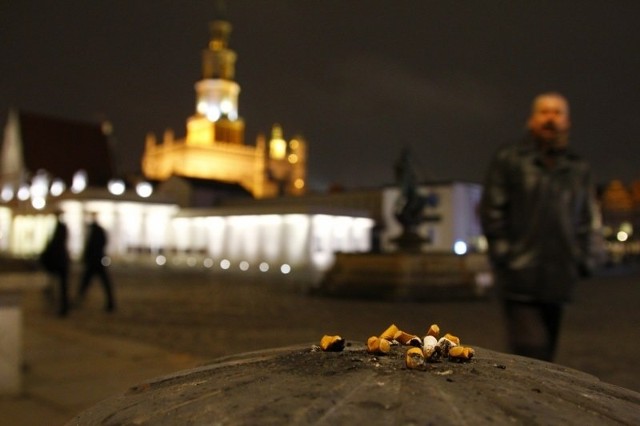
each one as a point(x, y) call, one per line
point(226, 106)
point(277, 149)
point(213, 113)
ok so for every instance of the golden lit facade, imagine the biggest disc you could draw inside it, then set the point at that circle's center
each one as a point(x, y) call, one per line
point(214, 146)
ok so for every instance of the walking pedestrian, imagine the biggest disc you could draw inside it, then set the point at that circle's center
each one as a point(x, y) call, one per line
point(55, 260)
point(537, 213)
point(93, 259)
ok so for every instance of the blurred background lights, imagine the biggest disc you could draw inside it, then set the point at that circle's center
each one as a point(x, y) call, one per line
point(144, 189)
point(79, 182)
point(38, 203)
point(207, 262)
point(460, 248)
point(285, 268)
point(213, 113)
point(7, 193)
point(264, 267)
point(626, 227)
point(116, 186)
point(106, 261)
point(225, 264)
point(57, 187)
point(226, 106)
point(23, 193)
point(161, 260)
point(622, 236)
point(244, 265)
point(39, 185)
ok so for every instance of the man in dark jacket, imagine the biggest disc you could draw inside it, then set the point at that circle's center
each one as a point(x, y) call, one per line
point(537, 212)
point(55, 259)
point(93, 259)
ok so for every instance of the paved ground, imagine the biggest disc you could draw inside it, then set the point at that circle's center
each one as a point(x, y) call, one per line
point(171, 320)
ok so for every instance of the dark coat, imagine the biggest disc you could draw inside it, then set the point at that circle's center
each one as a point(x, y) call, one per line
point(95, 245)
point(538, 221)
point(55, 256)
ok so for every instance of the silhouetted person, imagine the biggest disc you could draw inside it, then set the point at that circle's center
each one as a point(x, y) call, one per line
point(55, 259)
point(92, 259)
point(537, 212)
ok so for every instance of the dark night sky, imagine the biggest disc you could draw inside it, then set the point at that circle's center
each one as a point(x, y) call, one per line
point(358, 79)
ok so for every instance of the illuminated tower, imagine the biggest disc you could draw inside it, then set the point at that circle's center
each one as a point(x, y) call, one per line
point(214, 147)
point(217, 93)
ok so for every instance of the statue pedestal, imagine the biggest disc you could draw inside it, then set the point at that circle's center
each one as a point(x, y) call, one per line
point(12, 286)
point(407, 276)
point(410, 242)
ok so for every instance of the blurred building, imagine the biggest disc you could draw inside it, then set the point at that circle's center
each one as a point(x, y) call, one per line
point(175, 214)
point(206, 200)
point(214, 148)
point(620, 206)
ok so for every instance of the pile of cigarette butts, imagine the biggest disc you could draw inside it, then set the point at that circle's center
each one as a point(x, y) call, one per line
point(430, 348)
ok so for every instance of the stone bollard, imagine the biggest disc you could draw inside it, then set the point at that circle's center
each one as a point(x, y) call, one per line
point(12, 287)
point(303, 385)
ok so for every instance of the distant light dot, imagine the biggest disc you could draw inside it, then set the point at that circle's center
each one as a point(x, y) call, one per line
point(285, 268)
point(460, 247)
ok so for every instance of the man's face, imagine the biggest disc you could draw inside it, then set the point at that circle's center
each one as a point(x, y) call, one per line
point(549, 121)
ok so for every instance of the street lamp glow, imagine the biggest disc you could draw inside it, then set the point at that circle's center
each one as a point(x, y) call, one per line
point(285, 269)
point(38, 203)
point(79, 182)
point(460, 248)
point(57, 187)
point(7, 193)
point(116, 187)
point(23, 193)
point(622, 236)
point(144, 189)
